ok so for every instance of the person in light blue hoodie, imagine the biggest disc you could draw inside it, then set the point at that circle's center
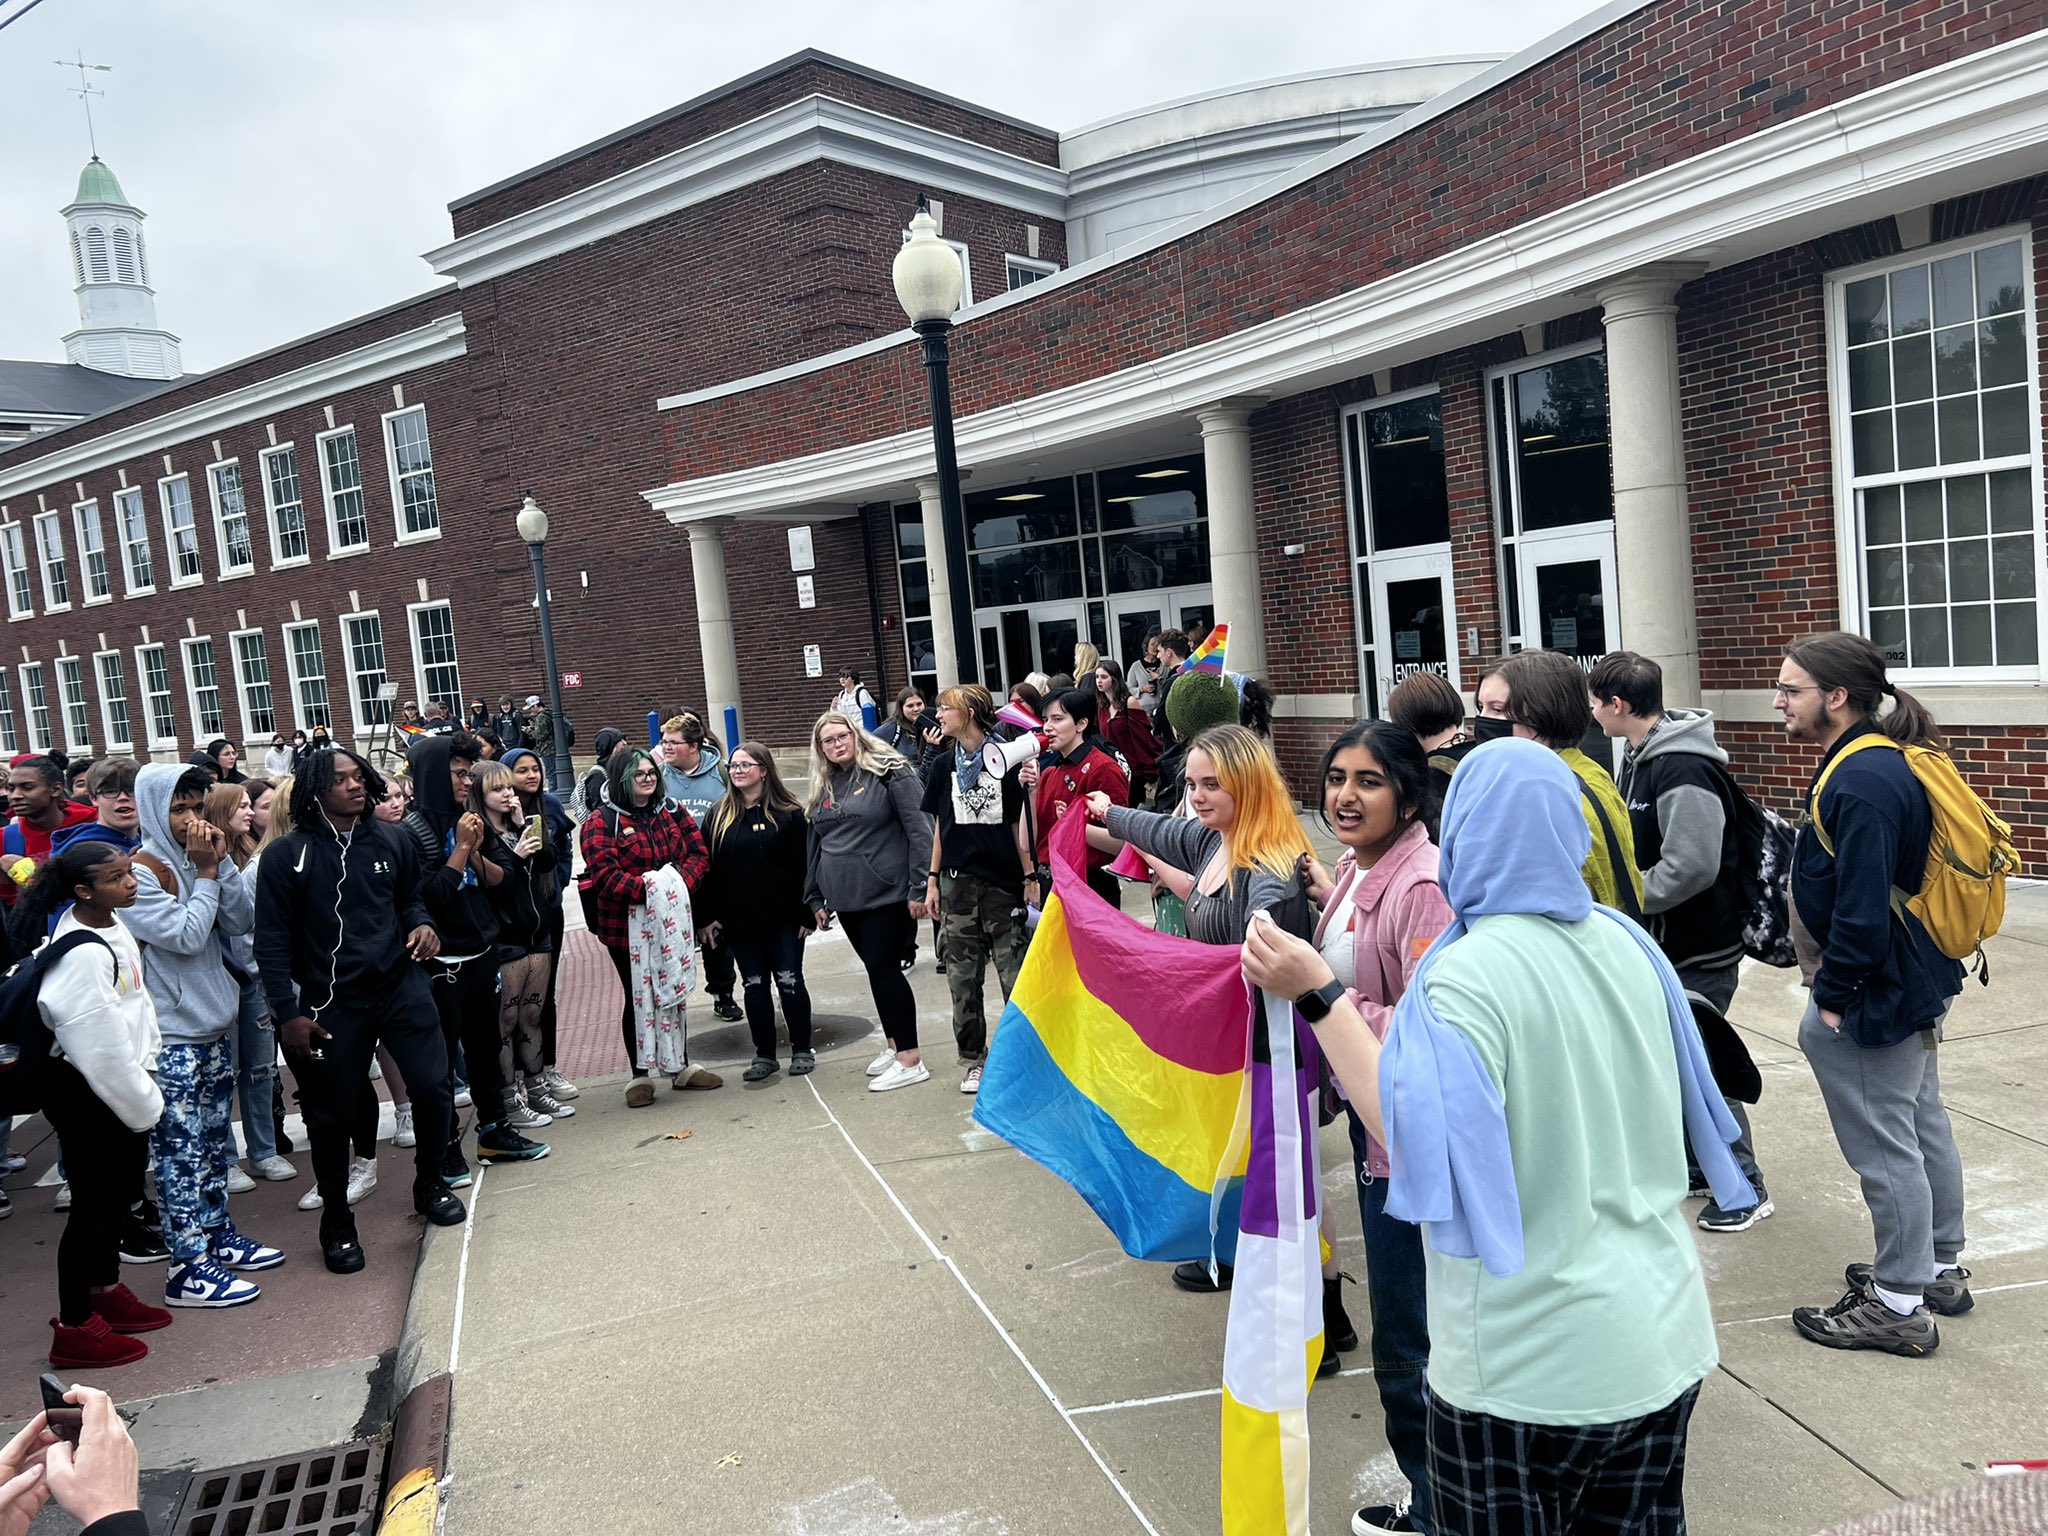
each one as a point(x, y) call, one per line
point(693, 774)
point(190, 904)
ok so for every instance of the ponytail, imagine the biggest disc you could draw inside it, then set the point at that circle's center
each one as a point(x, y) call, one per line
point(1850, 662)
point(50, 891)
point(1908, 721)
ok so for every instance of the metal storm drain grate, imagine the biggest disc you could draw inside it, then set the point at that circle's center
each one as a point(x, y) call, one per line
point(321, 1493)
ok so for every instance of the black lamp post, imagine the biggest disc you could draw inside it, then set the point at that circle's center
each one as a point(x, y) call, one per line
point(928, 281)
point(533, 528)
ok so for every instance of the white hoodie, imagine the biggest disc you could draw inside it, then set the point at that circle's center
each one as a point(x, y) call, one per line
point(105, 1024)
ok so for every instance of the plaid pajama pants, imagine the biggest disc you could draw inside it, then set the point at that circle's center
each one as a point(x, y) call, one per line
point(1496, 1477)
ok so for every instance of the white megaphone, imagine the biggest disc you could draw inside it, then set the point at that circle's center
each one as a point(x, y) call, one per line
point(999, 757)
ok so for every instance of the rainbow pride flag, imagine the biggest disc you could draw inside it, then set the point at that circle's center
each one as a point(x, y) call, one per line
point(1208, 655)
point(1135, 1066)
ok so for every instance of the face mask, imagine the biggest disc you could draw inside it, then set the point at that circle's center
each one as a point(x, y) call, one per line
point(1490, 728)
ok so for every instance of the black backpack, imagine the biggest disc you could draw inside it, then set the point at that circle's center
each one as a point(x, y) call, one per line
point(1764, 857)
point(24, 1037)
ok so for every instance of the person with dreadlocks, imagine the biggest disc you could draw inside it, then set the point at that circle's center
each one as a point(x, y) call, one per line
point(340, 926)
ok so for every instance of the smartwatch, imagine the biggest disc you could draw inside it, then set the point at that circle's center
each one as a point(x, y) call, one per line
point(1315, 1006)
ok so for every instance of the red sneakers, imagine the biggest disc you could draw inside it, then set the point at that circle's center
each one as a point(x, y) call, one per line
point(126, 1312)
point(93, 1346)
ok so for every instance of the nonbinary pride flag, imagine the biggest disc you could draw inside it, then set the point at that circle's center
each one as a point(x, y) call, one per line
point(1208, 655)
point(1132, 1065)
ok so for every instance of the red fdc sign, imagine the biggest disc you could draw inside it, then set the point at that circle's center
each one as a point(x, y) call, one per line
point(572, 679)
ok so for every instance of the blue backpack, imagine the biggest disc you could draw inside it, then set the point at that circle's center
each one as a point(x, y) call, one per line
point(25, 1040)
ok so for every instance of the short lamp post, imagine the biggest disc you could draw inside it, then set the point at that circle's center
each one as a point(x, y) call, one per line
point(533, 528)
point(927, 277)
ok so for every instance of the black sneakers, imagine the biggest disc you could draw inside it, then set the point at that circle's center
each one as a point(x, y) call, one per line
point(439, 1206)
point(1384, 1520)
point(1194, 1276)
point(501, 1144)
point(1861, 1321)
point(454, 1170)
point(338, 1243)
point(1947, 1295)
point(727, 1009)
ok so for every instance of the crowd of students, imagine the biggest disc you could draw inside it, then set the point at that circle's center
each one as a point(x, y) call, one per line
point(1505, 969)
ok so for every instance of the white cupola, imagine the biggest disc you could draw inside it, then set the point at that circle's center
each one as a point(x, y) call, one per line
point(117, 330)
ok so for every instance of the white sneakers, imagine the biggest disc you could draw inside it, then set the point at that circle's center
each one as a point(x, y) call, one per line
point(275, 1168)
point(897, 1075)
point(970, 1080)
point(883, 1062)
point(239, 1183)
point(402, 1133)
point(362, 1178)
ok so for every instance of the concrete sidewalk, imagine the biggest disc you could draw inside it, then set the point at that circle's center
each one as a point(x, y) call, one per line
point(799, 1308)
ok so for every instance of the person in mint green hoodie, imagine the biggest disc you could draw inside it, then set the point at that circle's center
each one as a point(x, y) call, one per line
point(190, 901)
point(1533, 1094)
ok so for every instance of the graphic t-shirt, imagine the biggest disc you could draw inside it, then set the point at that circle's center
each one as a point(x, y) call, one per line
point(976, 824)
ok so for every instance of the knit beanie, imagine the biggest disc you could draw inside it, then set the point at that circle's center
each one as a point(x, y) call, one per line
point(1198, 700)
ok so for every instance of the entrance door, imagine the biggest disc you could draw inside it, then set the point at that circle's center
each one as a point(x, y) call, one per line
point(1137, 614)
point(1414, 622)
point(1566, 585)
point(1037, 638)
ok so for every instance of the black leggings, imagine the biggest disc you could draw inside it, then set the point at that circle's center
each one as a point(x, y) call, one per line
point(547, 1007)
point(104, 1161)
point(878, 935)
point(466, 997)
point(629, 1031)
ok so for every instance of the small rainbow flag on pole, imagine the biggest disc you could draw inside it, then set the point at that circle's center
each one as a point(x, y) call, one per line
point(1135, 1067)
point(1208, 656)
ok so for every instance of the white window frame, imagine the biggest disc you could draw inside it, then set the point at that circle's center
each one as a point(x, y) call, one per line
point(201, 732)
point(70, 670)
point(35, 718)
point(10, 736)
point(125, 498)
point(364, 721)
point(1012, 262)
point(163, 497)
point(278, 559)
point(302, 714)
point(243, 685)
point(328, 494)
point(21, 591)
point(149, 695)
point(47, 524)
point(122, 742)
point(220, 518)
point(1848, 534)
point(419, 663)
point(391, 419)
point(85, 519)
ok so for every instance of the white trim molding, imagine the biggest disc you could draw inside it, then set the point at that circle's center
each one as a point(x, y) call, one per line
point(817, 127)
point(438, 341)
point(1959, 127)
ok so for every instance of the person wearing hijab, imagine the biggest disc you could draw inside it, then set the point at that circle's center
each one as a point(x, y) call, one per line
point(1533, 1095)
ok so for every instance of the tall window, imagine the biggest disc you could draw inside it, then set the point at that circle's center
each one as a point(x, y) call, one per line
point(155, 673)
point(913, 574)
point(35, 695)
point(1400, 541)
point(1937, 432)
point(138, 570)
point(14, 550)
point(412, 473)
point(433, 653)
point(341, 482)
point(10, 741)
point(56, 577)
point(364, 635)
point(252, 676)
point(77, 711)
point(309, 674)
point(230, 519)
point(114, 701)
point(92, 552)
point(202, 687)
point(181, 529)
point(285, 504)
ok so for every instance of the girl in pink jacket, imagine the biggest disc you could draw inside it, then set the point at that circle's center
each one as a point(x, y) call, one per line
point(1381, 909)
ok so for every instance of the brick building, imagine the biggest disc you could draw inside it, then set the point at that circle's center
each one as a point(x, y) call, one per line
point(1690, 329)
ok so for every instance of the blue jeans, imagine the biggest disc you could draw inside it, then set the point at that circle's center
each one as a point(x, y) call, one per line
point(198, 1083)
point(1395, 1291)
point(255, 1046)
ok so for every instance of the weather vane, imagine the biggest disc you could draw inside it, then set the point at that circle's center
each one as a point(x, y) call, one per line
point(85, 90)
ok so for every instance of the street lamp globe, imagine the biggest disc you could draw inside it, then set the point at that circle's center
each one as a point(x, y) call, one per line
point(532, 522)
point(926, 272)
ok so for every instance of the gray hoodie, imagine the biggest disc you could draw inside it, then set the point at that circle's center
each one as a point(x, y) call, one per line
point(1682, 810)
point(702, 787)
point(197, 998)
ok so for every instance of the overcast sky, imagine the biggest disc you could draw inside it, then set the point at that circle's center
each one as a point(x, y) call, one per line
point(296, 159)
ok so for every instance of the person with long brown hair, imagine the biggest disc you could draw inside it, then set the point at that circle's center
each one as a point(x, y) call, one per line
point(526, 901)
point(753, 903)
point(232, 808)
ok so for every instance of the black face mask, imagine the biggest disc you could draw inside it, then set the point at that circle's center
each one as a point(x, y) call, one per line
point(1491, 728)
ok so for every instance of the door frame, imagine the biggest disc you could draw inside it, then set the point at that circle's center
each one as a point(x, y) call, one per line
point(1074, 608)
point(1582, 542)
point(1422, 562)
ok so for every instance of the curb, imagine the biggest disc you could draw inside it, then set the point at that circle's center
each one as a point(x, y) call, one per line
point(424, 1386)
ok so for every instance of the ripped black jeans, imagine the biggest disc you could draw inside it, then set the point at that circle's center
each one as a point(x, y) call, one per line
point(769, 964)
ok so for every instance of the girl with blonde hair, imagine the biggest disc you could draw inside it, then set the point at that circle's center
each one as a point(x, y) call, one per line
point(526, 901)
point(232, 808)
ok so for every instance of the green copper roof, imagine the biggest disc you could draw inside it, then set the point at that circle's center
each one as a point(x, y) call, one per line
point(96, 184)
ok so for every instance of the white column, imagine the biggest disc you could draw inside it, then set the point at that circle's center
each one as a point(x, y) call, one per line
point(714, 623)
point(939, 582)
point(1234, 530)
point(1658, 617)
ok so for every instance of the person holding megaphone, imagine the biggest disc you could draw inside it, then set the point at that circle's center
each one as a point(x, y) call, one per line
point(980, 862)
point(1072, 768)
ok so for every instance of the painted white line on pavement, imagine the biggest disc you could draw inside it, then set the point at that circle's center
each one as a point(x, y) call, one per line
point(1150, 1402)
point(476, 1198)
point(1044, 1386)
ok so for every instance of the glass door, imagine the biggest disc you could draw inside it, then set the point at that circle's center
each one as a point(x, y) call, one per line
point(1566, 585)
point(1414, 617)
point(1039, 637)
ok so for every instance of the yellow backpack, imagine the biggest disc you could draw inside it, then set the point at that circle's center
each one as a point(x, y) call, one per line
point(1961, 900)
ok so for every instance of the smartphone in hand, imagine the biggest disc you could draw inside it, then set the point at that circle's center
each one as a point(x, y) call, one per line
point(66, 1419)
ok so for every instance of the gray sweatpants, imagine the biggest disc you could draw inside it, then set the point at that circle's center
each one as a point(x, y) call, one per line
point(1885, 1105)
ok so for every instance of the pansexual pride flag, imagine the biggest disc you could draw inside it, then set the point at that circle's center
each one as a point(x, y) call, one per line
point(1132, 1064)
point(1208, 655)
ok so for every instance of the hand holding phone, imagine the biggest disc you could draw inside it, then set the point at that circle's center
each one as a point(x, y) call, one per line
point(65, 1419)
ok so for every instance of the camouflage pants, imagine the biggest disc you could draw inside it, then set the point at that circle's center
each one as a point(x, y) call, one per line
point(978, 922)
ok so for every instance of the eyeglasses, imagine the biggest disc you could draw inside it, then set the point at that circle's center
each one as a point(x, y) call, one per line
point(115, 794)
point(645, 773)
point(1789, 691)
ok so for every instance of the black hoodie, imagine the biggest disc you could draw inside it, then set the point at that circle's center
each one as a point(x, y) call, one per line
point(332, 916)
point(462, 910)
